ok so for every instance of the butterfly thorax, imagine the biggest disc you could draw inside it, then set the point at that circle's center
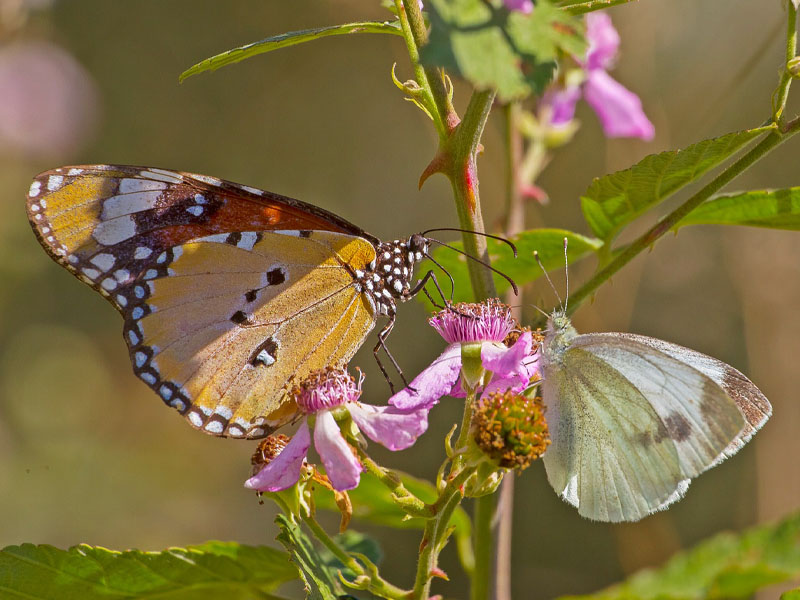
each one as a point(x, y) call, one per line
point(388, 279)
point(560, 334)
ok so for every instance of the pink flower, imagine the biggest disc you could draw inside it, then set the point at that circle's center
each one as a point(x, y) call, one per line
point(319, 396)
point(487, 324)
point(620, 110)
point(523, 6)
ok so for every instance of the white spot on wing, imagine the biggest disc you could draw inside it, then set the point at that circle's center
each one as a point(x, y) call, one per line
point(162, 175)
point(103, 261)
point(91, 273)
point(148, 377)
point(34, 190)
point(195, 210)
point(108, 283)
point(133, 185)
point(214, 427)
point(54, 182)
point(133, 202)
point(115, 231)
point(248, 240)
point(196, 419)
point(208, 179)
point(74, 172)
point(142, 252)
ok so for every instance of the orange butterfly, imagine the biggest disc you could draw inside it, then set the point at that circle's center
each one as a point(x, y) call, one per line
point(229, 293)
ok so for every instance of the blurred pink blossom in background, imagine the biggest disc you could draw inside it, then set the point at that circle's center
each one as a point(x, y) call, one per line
point(49, 103)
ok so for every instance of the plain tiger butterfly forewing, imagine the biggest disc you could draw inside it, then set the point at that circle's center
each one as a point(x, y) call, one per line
point(228, 293)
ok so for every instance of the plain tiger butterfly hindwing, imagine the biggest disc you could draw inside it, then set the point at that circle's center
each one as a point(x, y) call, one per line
point(229, 293)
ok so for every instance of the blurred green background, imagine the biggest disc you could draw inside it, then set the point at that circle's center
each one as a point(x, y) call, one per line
point(88, 454)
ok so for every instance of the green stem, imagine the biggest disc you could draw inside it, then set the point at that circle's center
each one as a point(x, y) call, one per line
point(763, 148)
point(782, 93)
point(484, 547)
point(419, 72)
point(327, 541)
point(434, 533)
point(579, 8)
point(433, 77)
point(400, 494)
point(464, 179)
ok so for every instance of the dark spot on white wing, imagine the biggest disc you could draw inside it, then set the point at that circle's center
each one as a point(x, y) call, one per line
point(251, 296)
point(265, 354)
point(240, 318)
point(233, 238)
point(276, 276)
point(678, 427)
point(304, 233)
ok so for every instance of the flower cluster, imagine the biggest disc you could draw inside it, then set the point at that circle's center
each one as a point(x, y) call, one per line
point(324, 396)
point(476, 358)
point(619, 109)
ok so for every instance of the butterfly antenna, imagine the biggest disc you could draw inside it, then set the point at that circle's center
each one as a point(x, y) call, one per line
point(481, 233)
point(547, 316)
point(479, 261)
point(550, 281)
point(566, 274)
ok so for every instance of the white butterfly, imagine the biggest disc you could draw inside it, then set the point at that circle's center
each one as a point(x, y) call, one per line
point(632, 419)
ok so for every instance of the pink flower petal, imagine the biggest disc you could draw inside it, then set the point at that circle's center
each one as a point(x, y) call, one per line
point(560, 103)
point(284, 470)
point(432, 383)
point(504, 361)
point(619, 109)
point(523, 6)
point(341, 466)
point(603, 41)
point(394, 428)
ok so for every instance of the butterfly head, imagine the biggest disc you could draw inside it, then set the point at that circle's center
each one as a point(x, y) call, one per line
point(560, 334)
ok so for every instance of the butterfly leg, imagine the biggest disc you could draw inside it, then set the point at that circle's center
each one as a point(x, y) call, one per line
point(420, 287)
point(382, 335)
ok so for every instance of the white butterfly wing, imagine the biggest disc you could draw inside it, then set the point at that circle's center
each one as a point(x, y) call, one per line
point(753, 405)
point(632, 419)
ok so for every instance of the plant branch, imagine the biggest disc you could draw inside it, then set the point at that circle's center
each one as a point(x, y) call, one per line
point(781, 95)
point(483, 546)
point(400, 494)
point(464, 179)
point(769, 143)
point(434, 532)
point(433, 75)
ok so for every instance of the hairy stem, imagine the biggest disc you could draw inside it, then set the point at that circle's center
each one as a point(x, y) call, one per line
point(435, 528)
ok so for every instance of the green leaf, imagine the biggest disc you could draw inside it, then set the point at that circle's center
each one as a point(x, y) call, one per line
point(726, 566)
point(319, 581)
point(218, 569)
point(372, 503)
point(616, 199)
point(776, 209)
point(579, 7)
point(288, 39)
point(493, 47)
point(549, 243)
